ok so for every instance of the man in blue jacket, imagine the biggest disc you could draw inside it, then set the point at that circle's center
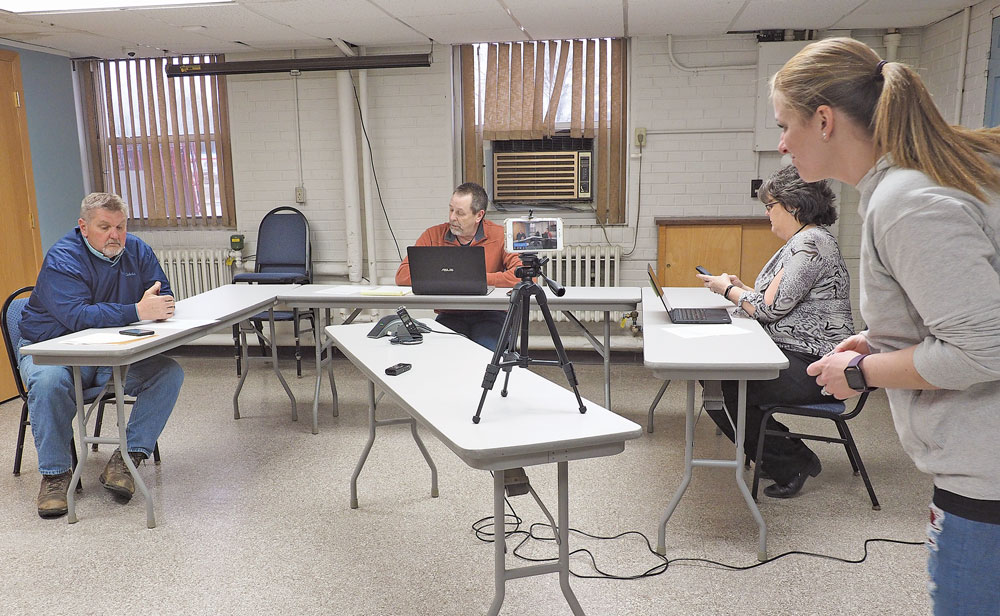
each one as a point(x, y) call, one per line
point(95, 276)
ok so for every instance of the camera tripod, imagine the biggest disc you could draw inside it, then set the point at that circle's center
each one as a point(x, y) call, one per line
point(505, 357)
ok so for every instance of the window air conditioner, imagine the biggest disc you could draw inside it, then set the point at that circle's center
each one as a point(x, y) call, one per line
point(542, 176)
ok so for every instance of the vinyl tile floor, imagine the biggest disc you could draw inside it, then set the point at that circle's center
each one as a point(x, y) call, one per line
point(254, 518)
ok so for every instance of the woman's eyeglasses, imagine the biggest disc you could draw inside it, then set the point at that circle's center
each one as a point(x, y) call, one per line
point(768, 206)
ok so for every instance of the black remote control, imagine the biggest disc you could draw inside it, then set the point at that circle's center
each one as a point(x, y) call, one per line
point(397, 369)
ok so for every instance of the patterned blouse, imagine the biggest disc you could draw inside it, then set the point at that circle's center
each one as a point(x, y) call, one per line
point(812, 307)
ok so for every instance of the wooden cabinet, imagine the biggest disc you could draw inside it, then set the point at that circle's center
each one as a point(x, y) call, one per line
point(740, 246)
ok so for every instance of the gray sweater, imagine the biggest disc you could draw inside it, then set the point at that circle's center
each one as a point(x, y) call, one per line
point(930, 277)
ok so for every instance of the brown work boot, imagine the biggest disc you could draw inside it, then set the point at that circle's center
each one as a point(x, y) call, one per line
point(116, 476)
point(52, 495)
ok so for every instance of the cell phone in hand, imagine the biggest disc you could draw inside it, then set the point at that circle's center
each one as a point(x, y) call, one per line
point(702, 270)
point(136, 332)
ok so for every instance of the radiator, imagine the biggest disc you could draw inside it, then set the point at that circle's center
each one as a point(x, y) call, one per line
point(583, 266)
point(193, 271)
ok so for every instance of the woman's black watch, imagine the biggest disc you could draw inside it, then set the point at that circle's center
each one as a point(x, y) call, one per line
point(856, 378)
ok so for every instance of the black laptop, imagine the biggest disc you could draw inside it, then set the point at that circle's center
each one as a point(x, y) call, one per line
point(448, 270)
point(688, 315)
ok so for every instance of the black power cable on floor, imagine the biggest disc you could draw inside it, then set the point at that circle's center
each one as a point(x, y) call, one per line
point(479, 528)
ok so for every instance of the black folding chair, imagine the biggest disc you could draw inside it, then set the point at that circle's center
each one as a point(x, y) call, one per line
point(834, 411)
point(284, 256)
point(10, 323)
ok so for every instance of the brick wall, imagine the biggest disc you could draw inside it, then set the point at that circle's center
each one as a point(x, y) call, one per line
point(704, 173)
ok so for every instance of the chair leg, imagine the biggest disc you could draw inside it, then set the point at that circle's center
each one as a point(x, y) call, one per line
point(760, 453)
point(237, 350)
point(853, 449)
point(20, 439)
point(156, 453)
point(98, 422)
point(258, 327)
point(298, 346)
point(845, 434)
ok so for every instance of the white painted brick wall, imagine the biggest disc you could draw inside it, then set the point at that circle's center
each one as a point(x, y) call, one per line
point(410, 127)
point(699, 174)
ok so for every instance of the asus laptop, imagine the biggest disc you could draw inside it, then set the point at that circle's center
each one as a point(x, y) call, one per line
point(688, 315)
point(448, 270)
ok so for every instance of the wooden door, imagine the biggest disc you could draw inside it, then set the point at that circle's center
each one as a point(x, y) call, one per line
point(20, 249)
point(717, 248)
point(759, 245)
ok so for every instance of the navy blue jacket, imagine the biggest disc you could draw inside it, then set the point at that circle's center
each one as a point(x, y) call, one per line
point(76, 290)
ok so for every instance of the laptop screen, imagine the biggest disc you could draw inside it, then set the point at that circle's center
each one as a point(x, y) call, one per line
point(447, 270)
point(656, 287)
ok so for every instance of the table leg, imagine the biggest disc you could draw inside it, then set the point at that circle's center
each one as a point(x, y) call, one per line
point(274, 365)
point(368, 445)
point(329, 370)
point(118, 374)
point(499, 545)
point(604, 350)
point(741, 429)
point(81, 429)
point(574, 604)
point(607, 359)
point(244, 325)
point(661, 544)
point(321, 344)
point(373, 423)
point(652, 407)
point(427, 457)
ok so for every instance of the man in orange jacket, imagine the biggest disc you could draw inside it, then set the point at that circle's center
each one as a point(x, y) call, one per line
point(467, 226)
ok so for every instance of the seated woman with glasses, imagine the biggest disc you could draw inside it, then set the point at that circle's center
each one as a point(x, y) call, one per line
point(802, 299)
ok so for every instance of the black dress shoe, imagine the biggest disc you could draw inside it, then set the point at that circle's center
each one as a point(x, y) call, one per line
point(793, 487)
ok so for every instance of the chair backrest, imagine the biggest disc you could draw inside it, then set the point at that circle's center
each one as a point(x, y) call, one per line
point(10, 324)
point(283, 243)
point(858, 406)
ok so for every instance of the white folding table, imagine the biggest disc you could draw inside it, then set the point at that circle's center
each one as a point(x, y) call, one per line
point(193, 318)
point(738, 352)
point(328, 297)
point(538, 422)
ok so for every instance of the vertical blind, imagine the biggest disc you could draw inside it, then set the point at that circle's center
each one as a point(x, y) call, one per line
point(521, 90)
point(161, 144)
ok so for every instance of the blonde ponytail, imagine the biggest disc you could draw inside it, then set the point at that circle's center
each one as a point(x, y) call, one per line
point(890, 101)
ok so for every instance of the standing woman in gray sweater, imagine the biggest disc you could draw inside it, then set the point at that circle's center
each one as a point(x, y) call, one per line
point(930, 287)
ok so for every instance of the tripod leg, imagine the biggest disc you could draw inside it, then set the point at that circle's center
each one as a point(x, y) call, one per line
point(504, 344)
point(543, 305)
point(522, 309)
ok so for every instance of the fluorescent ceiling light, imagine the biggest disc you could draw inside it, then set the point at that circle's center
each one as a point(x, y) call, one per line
point(72, 6)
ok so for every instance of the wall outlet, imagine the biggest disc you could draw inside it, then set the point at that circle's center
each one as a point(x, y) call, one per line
point(754, 187)
point(640, 137)
point(300, 194)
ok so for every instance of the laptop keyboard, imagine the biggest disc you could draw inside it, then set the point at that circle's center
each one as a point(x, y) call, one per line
point(690, 314)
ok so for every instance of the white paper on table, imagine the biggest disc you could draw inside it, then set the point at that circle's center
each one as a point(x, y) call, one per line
point(106, 338)
point(389, 290)
point(341, 290)
point(704, 331)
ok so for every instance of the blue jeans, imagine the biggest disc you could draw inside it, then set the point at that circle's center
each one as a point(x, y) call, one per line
point(963, 565)
point(481, 326)
point(154, 382)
